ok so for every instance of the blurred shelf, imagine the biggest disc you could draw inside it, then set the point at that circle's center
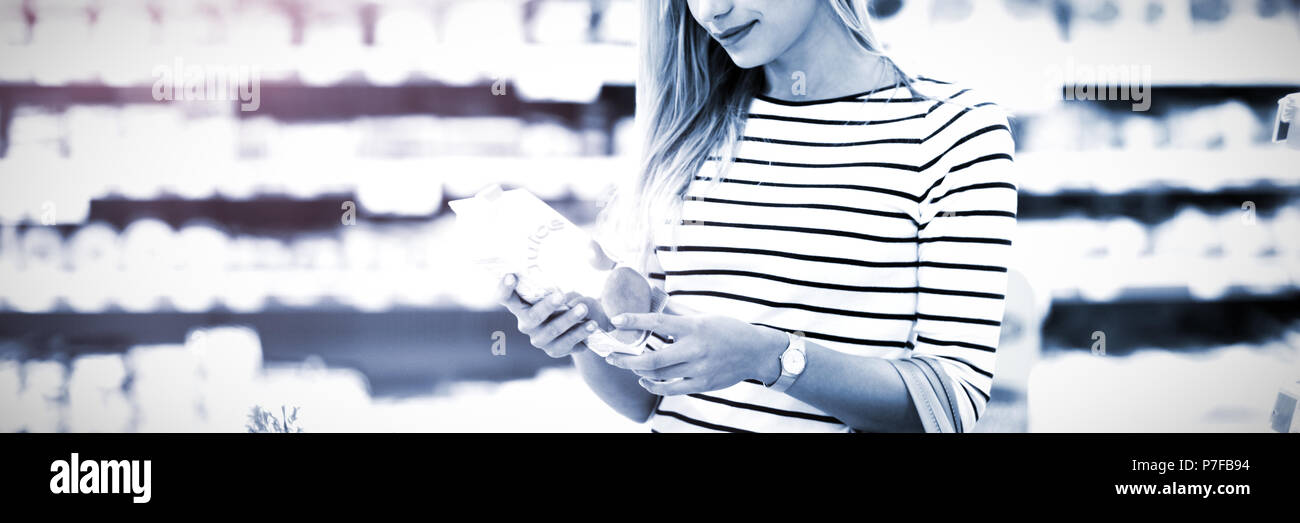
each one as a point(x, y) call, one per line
point(539, 72)
point(1168, 278)
point(1186, 325)
point(149, 268)
point(1209, 89)
point(293, 101)
point(1153, 205)
point(398, 351)
point(1056, 44)
point(1177, 295)
point(398, 187)
point(1112, 172)
point(1274, 48)
point(1190, 80)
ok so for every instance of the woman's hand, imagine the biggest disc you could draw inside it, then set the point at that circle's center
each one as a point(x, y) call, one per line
point(553, 324)
point(708, 353)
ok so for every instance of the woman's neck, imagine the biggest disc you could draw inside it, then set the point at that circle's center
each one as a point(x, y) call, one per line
point(825, 63)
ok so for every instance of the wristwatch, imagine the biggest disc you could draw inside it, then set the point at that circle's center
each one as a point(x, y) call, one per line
point(793, 361)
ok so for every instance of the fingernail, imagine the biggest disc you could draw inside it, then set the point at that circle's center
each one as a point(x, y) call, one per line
point(557, 299)
point(510, 279)
point(618, 320)
point(580, 310)
point(591, 327)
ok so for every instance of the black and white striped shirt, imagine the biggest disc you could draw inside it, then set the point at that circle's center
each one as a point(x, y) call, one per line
point(877, 224)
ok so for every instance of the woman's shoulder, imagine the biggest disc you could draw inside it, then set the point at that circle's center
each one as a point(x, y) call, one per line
point(952, 97)
point(963, 123)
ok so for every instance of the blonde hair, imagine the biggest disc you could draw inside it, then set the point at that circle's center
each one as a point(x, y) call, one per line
point(691, 101)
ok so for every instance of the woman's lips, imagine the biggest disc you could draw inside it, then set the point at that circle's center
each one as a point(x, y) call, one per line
point(732, 36)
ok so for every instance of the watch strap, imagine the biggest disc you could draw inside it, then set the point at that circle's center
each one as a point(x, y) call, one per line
point(787, 378)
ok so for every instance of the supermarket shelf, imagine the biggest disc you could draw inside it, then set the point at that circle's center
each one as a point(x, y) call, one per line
point(290, 101)
point(1128, 170)
point(1154, 321)
point(406, 187)
point(1165, 278)
point(539, 72)
point(398, 351)
point(1049, 55)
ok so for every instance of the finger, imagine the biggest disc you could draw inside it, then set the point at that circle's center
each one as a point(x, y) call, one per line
point(506, 295)
point(672, 388)
point(653, 360)
point(680, 370)
point(516, 304)
point(555, 327)
point(539, 312)
point(599, 260)
point(676, 308)
point(505, 288)
point(594, 310)
point(654, 321)
point(567, 343)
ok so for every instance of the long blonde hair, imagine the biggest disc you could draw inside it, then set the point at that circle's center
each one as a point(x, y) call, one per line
point(691, 101)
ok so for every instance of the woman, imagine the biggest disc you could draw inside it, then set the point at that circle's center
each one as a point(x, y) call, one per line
point(825, 215)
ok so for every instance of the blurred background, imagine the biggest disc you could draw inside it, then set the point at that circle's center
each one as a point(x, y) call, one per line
point(165, 265)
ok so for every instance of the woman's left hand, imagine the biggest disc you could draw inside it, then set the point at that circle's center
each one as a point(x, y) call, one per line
point(708, 352)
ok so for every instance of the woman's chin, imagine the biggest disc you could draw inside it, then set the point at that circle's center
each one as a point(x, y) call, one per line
point(746, 60)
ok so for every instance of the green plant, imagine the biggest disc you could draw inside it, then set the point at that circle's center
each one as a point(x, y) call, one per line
point(261, 420)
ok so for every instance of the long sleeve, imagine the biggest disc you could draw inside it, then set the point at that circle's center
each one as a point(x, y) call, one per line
point(967, 218)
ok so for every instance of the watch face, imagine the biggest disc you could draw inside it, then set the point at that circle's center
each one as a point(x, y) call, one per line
point(793, 361)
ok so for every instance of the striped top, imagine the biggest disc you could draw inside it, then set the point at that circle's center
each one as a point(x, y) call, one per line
point(877, 224)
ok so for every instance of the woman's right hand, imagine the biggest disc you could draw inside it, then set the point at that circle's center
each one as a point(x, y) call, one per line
point(552, 324)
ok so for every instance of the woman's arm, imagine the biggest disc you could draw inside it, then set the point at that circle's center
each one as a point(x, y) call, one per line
point(969, 219)
point(618, 388)
point(865, 393)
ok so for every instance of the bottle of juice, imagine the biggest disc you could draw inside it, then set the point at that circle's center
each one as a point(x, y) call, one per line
point(515, 232)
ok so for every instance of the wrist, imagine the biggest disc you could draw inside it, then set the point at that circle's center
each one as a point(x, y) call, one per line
point(581, 352)
point(768, 358)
